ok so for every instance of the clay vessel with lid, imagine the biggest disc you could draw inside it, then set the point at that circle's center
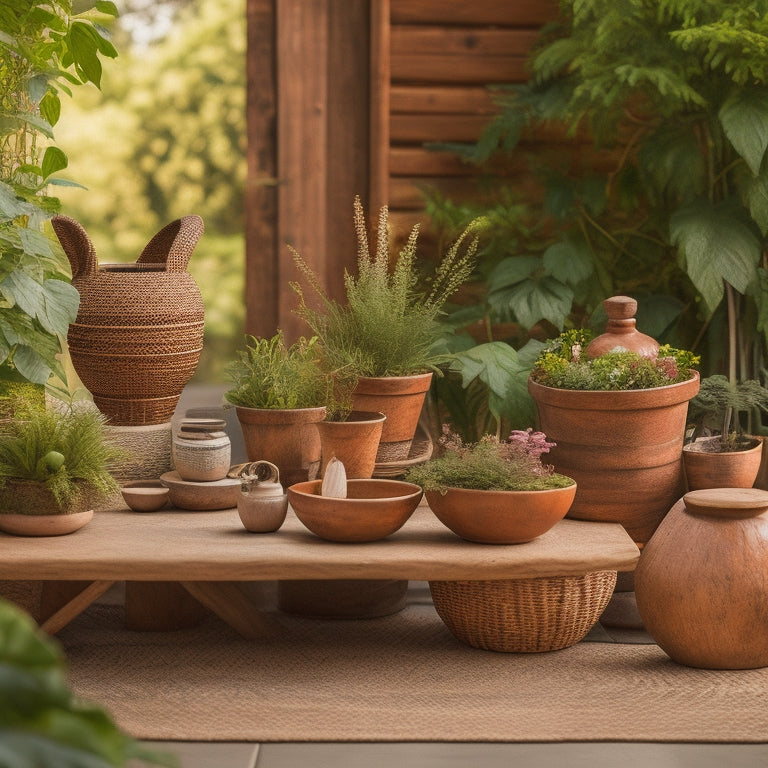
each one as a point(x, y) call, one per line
point(702, 580)
point(621, 334)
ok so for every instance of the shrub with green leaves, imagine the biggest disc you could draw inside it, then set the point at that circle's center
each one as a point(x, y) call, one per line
point(67, 452)
point(490, 464)
point(45, 49)
point(563, 364)
point(389, 323)
point(269, 374)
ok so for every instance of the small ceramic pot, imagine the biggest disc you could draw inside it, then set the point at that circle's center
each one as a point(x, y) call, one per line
point(202, 450)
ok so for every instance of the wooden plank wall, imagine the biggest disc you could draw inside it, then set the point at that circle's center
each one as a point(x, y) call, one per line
point(441, 57)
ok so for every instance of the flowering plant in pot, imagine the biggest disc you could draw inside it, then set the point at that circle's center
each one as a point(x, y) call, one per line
point(495, 491)
point(280, 392)
point(724, 456)
point(616, 407)
point(53, 468)
point(384, 334)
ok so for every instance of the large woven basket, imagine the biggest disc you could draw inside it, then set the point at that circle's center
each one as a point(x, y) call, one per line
point(523, 615)
point(139, 329)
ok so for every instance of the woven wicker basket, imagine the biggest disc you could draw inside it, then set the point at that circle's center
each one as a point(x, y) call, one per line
point(523, 615)
point(139, 330)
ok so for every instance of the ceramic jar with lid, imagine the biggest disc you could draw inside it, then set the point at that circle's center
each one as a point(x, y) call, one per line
point(702, 580)
point(263, 503)
point(202, 450)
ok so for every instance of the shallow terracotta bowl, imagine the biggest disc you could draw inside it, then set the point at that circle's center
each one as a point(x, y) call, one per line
point(501, 517)
point(372, 510)
point(145, 495)
point(201, 496)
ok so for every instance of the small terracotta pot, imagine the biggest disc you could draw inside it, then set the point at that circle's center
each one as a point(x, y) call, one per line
point(287, 438)
point(354, 442)
point(500, 517)
point(44, 525)
point(711, 469)
point(702, 580)
point(400, 399)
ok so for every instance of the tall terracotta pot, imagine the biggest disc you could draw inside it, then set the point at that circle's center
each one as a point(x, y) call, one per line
point(702, 580)
point(139, 330)
point(623, 449)
point(400, 399)
point(287, 438)
point(354, 442)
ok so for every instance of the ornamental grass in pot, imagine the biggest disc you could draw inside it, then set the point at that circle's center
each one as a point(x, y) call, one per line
point(384, 333)
point(54, 467)
point(501, 492)
point(280, 393)
point(721, 454)
point(495, 491)
point(618, 420)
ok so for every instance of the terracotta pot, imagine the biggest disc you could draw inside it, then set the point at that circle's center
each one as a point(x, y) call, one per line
point(624, 450)
point(400, 399)
point(354, 442)
point(287, 438)
point(44, 525)
point(139, 329)
point(500, 517)
point(712, 469)
point(702, 580)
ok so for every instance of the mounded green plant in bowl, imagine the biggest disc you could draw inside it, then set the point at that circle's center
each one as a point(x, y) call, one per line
point(55, 464)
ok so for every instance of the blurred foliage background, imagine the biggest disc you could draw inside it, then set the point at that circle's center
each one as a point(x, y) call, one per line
point(166, 137)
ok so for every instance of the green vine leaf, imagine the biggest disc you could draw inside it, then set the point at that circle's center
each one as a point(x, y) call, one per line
point(744, 117)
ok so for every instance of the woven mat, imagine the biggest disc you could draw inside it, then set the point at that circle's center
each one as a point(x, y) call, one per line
point(400, 678)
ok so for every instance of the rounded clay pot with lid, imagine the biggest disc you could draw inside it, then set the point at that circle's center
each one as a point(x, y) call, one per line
point(202, 450)
point(621, 334)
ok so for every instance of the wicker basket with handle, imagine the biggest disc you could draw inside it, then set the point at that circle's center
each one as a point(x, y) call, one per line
point(523, 615)
point(139, 329)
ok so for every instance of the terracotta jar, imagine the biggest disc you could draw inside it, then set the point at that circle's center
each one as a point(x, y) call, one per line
point(139, 330)
point(702, 580)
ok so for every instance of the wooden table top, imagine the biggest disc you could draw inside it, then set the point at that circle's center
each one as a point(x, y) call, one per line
point(175, 545)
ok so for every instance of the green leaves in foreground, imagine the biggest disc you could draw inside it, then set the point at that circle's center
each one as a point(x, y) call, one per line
point(42, 723)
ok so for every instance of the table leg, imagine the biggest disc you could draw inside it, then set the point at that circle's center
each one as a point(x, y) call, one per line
point(62, 602)
point(160, 606)
point(231, 602)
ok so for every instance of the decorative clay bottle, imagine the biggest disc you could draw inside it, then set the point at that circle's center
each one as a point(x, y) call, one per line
point(621, 335)
point(702, 580)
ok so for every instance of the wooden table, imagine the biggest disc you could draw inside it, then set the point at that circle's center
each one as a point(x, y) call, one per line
point(212, 557)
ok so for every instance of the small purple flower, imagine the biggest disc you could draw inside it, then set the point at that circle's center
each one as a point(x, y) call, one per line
point(534, 443)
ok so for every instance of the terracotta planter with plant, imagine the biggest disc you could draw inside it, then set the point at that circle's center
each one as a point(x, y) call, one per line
point(383, 335)
point(53, 468)
point(730, 459)
point(495, 492)
point(280, 393)
point(618, 420)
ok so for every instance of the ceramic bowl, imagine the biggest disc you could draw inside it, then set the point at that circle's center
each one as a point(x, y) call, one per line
point(500, 517)
point(145, 495)
point(372, 510)
point(198, 496)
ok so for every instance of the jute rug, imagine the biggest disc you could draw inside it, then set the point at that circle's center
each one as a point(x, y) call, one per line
point(399, 678)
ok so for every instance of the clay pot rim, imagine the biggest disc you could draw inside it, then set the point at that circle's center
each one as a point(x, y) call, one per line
point(307, 488)
point(473, 491)
point(620, 399)
point(358, 417)
point(697, 447)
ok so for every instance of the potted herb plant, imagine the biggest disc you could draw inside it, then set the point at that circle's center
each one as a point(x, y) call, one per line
point(53, 468)
point(730, 459)
point(280, 393)
point(385, 332)
point(495, 491)
point(500, 492)
point(618, 419)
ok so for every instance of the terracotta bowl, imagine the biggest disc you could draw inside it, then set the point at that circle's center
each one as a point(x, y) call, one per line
point(372, 510)
point(501, 517)
point(198, 496)
point(145, 495)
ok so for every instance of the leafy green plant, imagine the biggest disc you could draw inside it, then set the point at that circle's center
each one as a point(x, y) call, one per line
point(718, 405)
point(389, 324)
point(269, 374)
point(45, 49)
point(563, 364)
point(490, 464)
point(42, 722)
point(67, 452)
